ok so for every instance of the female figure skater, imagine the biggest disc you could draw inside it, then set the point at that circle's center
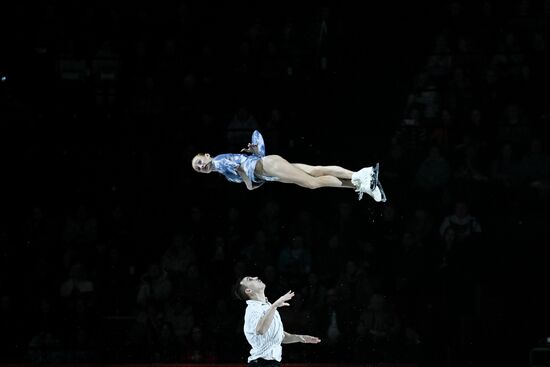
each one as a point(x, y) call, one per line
point(255, 167)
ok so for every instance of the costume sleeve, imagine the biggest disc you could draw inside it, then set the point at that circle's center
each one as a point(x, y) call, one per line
point(259, 141)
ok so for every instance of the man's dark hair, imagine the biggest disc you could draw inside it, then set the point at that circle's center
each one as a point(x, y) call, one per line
point(239, 290)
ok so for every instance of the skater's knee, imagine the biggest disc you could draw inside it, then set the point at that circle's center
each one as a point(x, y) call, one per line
point(314, 183)
point(317, 171)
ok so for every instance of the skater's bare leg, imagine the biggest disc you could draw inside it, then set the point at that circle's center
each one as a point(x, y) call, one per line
point(317, 171)
point(277, 166)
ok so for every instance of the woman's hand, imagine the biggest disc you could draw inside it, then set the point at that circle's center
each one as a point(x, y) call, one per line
point(252, 149)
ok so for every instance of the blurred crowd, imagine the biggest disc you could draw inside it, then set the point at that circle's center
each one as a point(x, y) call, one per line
point(118, 252)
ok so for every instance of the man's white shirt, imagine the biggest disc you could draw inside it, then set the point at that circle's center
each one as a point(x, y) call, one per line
point(267, 346)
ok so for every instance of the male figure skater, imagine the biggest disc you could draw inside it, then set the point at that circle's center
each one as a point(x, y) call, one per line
point(263, 327)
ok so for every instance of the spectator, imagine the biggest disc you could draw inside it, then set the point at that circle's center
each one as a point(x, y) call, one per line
point(464, 224)
point(77, 283)
point(535, 164)
point(178, 256)
point(155, 287)
point(434, 172)
point(505, 168)
point(382, 327)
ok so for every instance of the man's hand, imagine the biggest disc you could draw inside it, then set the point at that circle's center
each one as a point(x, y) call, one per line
point(282, 301)
point(309, 339)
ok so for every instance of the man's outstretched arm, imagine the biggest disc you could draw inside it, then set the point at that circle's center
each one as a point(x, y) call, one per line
point(295, 338)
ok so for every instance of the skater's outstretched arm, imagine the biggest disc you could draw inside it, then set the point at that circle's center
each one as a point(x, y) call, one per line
point(296, 338)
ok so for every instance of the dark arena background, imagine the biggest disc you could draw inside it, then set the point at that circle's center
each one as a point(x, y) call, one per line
point(115, 251)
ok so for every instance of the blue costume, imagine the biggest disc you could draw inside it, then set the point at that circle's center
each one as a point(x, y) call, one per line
point(227, 164)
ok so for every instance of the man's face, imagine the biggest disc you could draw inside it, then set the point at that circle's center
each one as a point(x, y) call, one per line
point(252, 285)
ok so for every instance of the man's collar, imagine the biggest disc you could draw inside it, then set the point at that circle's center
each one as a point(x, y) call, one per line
point(253, 301)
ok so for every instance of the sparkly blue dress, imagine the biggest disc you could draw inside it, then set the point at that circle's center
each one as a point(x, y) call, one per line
point(227, 164)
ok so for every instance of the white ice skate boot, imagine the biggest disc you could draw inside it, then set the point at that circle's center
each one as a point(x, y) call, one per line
point(362, 181)
point(366, 181)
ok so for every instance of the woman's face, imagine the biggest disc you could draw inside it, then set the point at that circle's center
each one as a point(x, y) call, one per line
point(202, 163)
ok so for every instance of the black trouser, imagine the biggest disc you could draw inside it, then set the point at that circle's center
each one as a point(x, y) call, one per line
point(260, 362)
